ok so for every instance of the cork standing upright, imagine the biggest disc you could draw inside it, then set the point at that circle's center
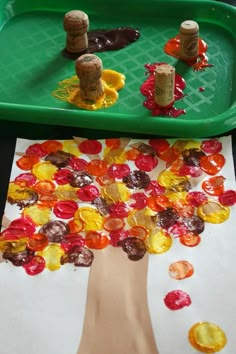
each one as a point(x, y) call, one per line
point(164, 85)
point(189, 35)
point(76, 25)
point(88, 68)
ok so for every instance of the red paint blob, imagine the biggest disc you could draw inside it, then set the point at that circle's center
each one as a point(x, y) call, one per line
point(118, 170)
point(154, 188)
point(78, 164)
point(119, 210)
point(177, 299)
point(159, 145)
point(118, 235)
point(25, 179)
point(65, 209)
point(172, 47)
point(88, 193)
point(140, 201)
point(71, 240)
point(211, 146)
point(63, 176)
point(35, 266)
point(196, 198)
point(90, 147)
point(36, 149)
point(146, 162)
point(23, 225)
point(228, 198)
point(193, 171)
point(147, 90)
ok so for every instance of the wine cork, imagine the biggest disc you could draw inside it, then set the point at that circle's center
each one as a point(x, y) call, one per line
point(76, 25)
point(88, 68)
point(164, 85)
point(189, 35)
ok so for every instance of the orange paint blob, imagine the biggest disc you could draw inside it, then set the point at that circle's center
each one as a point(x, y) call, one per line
point(112, 144)
point(139, 232)
point(158, 202)
point(180, 270)
point(214, 185)
point(44, 187)
point(97, 167)
point(212, 164)
point(172, 47)
point(51, 146)
point(96, 240)
point(190, 239)
point(113, 224)
point(132, 154)
point(37, 242)
point(26, 162)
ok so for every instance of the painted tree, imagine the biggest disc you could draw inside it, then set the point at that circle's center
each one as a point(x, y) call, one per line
point(108, 204)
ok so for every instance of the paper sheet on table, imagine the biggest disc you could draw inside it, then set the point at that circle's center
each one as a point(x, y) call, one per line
point(77, 310)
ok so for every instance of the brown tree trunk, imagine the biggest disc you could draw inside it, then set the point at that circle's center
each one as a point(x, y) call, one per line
point(117, 319)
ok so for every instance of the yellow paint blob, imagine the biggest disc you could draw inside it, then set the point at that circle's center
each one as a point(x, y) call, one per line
point(180, 145)
point(143, 218)
point(213, 212)
point(158, 243)
point(116, 192)
point(39, 215)
point(207, 337)
point(15, 193)
point(114, 155)
point(52, 255)
point(69, 91)
point(92, 219)
point(13, 188)
point(13, 246)
point(44, 170)
point(193, 144)
point(66, 192)
point(169, 179)
point(71, 147)
point(113, 79)
point(176, 196)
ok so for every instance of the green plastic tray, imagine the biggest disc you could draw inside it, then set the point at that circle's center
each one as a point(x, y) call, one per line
point(31, 65)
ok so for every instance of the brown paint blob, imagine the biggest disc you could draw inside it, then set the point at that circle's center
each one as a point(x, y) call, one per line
point(101, 40)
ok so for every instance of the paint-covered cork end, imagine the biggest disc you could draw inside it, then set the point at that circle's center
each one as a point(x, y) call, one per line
point(164, 85)
point(76, 21)
point(189, 38)
point(88, 68)
point(88, 64)
point(189, 27)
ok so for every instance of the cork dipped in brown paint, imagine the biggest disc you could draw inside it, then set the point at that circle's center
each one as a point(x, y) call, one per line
point(117, 318)
point(101, 40)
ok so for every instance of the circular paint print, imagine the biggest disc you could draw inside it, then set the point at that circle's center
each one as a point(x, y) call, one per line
point(159, 242)
point(177, 299)
point(180, 270)
point(213, 212)
point(207, 337)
